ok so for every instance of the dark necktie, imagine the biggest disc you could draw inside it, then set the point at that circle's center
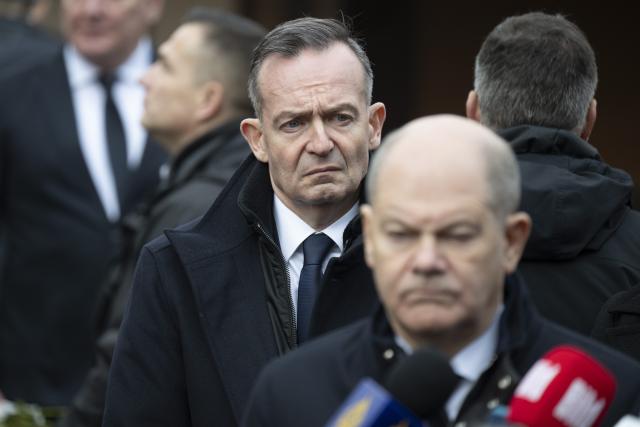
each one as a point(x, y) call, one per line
point(116, 141)
point(314, 248)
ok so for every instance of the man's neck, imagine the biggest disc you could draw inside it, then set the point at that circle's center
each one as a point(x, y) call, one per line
point(451, 342)
point(321, 216)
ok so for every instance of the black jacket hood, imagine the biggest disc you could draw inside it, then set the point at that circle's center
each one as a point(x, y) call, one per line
point(576, 201)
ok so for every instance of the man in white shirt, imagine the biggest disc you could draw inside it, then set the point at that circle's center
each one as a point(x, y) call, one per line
point(277, 259)
point(74, 160)
point(442, 235)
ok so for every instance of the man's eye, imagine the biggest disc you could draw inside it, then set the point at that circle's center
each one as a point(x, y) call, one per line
point(459, 236)
point(291, 125)
point(400, 234)
point(343, 118)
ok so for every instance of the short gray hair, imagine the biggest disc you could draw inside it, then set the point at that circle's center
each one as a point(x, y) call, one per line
point(292, 37)
point(503, 173)
point(535, 69)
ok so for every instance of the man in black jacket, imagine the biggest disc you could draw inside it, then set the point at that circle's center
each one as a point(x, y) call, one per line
point(442, 233)
point(213, 302)
point(74, 159)
point(196, 96)
point(535, 79)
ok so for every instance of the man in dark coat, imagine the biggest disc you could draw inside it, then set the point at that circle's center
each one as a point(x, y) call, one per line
point(63, 191)
point(196, 96)
point(535, 80)
point(213, 302)
point(441, 235)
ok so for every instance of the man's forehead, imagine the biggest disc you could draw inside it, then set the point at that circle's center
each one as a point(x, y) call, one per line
point(431, 166)
point(335, 65)
point(431, 212)
point(312, 95)
point(438, 162)
point(405, 191)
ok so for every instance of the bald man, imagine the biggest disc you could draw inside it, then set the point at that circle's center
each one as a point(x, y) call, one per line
point(442, 236)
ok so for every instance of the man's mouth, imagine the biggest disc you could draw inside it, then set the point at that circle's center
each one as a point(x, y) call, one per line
point(323, 169)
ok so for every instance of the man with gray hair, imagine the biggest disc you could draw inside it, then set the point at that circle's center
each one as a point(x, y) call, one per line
point(277, 259)
point(535, 80)
point(442, 233)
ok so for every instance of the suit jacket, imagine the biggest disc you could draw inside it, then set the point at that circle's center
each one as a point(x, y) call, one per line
point(306, 387)
point(204, 317)
point(56, 242)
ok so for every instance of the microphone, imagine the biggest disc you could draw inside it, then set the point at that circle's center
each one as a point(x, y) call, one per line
point(416, 388)
point(566, 388)
point(370, 405)
point(628, 421)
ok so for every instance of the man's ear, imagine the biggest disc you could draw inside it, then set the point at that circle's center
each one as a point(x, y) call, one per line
point(377, 115)
point(517, 229)
point(590, 121)
point(211, 98)
point(472, 108)
point(252, 131)
point(366, 214)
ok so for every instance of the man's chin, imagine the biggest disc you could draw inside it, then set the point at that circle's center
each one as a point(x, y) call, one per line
point(435, 323)
point(96, 49)
point(328, 197)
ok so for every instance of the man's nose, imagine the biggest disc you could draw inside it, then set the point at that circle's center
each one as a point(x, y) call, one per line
point(320, 142)
point(428, 258)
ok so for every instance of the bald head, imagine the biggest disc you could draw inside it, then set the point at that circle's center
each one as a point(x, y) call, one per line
point(432, 149)
point(440, 232)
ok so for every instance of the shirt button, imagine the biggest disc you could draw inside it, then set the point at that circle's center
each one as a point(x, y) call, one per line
point(504, 382)
point(388, 354)
point(493, 403)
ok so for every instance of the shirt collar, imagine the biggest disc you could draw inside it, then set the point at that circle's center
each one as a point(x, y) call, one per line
point(292, 230)
point(83, 72)
point(470, 362)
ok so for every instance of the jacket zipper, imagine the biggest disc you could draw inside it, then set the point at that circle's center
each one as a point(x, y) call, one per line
point(292, 315)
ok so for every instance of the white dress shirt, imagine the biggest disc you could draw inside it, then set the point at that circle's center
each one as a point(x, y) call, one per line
point(469, 363)
point(292, 231)
point(88, 98)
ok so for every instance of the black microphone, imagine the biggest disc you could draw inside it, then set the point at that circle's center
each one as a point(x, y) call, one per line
point(416, 388)
point(422, 382)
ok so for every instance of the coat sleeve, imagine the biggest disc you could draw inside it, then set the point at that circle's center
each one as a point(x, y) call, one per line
point(618, 323)
point(261, 408)
point(146, 383)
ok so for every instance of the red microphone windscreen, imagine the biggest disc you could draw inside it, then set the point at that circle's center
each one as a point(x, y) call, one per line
point(566, 388)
